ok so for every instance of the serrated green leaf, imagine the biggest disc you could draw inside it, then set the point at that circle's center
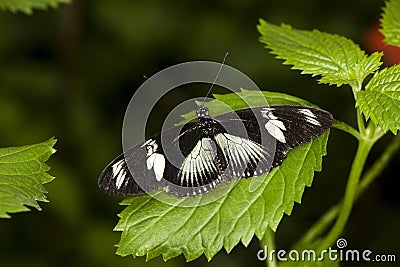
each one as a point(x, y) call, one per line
point(27, 6)
point(391, 22)
point(22, 173)
point(337, 59)
point(152, 228)
point(381, 99)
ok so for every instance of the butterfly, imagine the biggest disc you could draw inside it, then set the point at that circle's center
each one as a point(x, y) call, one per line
point(195, 158)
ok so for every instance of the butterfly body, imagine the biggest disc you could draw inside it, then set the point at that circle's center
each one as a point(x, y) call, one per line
point(193, 159)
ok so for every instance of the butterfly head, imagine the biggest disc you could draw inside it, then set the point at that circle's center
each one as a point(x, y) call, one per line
point(202, 112)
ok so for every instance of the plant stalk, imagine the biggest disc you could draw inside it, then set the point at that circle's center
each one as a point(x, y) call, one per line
point(346, 128)
point(376, 169)
point(268, 241)
point(363, 150)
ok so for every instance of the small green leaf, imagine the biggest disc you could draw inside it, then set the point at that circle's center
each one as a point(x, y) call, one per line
point(22, 173)
point(337, 59)
point(391, 22)
point(381, 99)
point(27, 6)
point(151, 228)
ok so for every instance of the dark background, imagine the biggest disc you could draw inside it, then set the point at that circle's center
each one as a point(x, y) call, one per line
point(70, 73)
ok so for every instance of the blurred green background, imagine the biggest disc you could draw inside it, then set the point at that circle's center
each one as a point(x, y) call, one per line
point(70, 73)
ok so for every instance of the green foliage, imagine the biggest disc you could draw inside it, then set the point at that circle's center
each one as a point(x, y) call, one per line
point(381, 99)
point(340, 61)
point(27, 6)
point(150, 227)
point(391, 22)
point(22, 175)
point(337, 59)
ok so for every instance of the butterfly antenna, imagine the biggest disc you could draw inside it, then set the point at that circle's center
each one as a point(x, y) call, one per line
point(216, 77)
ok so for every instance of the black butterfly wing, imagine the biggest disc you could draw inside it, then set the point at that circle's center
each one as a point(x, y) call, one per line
point(182, 161)
point(270, 133)
point(140, 168)
point(116, 178)
point(292, 126)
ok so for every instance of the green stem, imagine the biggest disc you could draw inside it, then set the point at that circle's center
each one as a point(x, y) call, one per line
point(268, 241)
point(363, 149)
point(376, 169)
point(360, 118)
point(346, 128)
point(360, 122)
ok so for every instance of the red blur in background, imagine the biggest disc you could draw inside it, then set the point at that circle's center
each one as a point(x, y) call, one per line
point(374, 41)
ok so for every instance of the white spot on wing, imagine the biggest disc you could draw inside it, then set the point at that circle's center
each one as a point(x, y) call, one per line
point(278, 124)
point(119, 173)
point(307, 112)
point(274, 126)
point(313, 121)
point(310, 116)
point(156, 162)
point(275, 131)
